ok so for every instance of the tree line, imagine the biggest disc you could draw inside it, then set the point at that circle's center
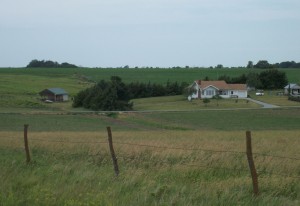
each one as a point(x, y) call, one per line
point(267, 79)
point(115, 95)
point(264, 64)
point(261, 64)
point(49, 64)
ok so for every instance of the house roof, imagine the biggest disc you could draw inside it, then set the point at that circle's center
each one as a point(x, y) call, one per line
point(221, 85)
point(238, 86)
point(217, 84)
point(292, 86)
point(55, 91)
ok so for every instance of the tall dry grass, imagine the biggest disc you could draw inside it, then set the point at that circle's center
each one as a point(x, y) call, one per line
point(71, 168)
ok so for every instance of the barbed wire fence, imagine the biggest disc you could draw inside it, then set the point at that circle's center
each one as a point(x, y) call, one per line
point(210, 165)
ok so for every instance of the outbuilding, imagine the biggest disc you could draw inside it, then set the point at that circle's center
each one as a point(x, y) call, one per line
point(54, 95)
point(293, 89)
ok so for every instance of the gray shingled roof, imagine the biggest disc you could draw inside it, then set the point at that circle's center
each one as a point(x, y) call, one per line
point(292, 86)
point(57, 91)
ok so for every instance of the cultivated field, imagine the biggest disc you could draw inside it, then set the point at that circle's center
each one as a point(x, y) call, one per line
point(195, 156)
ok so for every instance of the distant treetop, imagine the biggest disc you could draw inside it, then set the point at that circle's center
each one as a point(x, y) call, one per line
point(49, 64)
point(264, 64)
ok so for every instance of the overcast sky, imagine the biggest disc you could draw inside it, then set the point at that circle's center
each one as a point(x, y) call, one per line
point(163, 33)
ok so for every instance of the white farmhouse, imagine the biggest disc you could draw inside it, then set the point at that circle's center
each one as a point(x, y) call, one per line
point(208, 89)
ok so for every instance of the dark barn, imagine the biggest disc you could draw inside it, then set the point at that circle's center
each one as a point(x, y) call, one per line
point(54, 94)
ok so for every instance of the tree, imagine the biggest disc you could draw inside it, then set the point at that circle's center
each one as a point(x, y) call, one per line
point(250, 65)
point(106, 96)
point(253, 80)
point(273, 79)
point(219, 66)
point(49, 64)
point(206, 78)
point(263, 64)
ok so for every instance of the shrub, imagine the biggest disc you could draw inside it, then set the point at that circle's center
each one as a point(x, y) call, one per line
point(206, 101)
point(294, 98)
point(217, 96)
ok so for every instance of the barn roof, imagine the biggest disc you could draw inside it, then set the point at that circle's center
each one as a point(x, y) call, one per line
point(56, 91)
point(292, 86)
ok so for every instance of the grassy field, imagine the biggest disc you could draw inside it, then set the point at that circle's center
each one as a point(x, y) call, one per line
point(165, 158)
point(142, 75)
point(224, 120)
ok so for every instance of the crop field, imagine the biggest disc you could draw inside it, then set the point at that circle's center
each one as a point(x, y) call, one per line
point(169, 151)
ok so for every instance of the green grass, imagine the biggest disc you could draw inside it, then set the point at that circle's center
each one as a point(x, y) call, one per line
point(180, 103)
point(225, 120)
point(271, 97)
point(82, 174)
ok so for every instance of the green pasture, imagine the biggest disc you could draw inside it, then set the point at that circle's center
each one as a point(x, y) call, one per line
point(222, 120)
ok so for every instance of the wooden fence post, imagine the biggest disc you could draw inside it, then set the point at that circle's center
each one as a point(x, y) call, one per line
point(112, 152)
point(26, 143)
point(251, 163)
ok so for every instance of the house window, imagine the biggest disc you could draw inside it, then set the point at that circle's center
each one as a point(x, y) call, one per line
point(231, 92)
point(222, 92)
point(209, 92)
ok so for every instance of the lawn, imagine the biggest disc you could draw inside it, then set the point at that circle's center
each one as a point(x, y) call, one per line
point(271, 97)
point(180, 103)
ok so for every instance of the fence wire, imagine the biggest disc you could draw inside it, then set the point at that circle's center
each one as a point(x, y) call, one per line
point(209, 164)
point(153, 146)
